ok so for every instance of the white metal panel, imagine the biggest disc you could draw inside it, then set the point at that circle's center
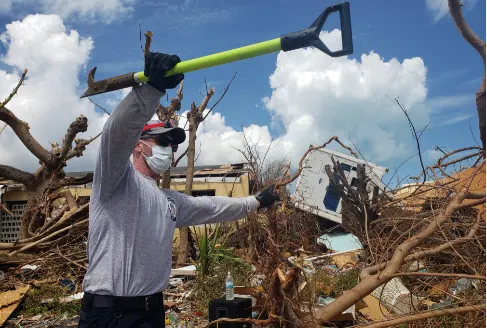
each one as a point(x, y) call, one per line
point(313, 181)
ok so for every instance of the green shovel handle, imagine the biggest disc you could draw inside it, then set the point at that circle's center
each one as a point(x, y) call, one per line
point(296, 40)
point(220, 58)
point(309, 37)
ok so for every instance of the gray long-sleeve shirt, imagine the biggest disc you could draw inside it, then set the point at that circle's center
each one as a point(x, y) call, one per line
point(132, 221)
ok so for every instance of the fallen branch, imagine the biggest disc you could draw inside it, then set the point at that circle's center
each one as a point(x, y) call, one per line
point(267, 322)
point(438, 274)
point(6, 209)
point(71, 261)
point(372, 277)
point(426, 315)
point(47, 237)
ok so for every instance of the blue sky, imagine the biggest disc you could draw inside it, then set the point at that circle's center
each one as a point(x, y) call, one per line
point(191, 28)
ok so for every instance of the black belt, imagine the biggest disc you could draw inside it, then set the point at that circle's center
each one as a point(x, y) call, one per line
point(121, 302)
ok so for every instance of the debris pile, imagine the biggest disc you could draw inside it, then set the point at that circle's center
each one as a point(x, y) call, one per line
point(296, 269)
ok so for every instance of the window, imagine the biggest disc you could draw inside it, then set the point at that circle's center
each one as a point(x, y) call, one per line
point(345, 167)
point(197, 193)
point(354, 182)
point(332, 198)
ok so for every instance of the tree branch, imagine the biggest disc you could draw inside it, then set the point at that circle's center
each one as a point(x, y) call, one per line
point(148, 40)
point(453, 206)
point(70, 261)
point(76, 181)
point(94, 103)
point(6, 209)
point(371, 278)
point(77, 126)
point(80, 147)
point(479, 45)
point(223, 95)
point(180, 157)
point(21, 129)
point(57, 232)
point(166, 113)
point(438, 274)
point(467, 33)
point(206, 99)
point(26, 178)
point(14, 91)
point(426, 315)
point(300, 169)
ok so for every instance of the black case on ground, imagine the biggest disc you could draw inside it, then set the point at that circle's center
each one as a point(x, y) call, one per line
point(236, 308)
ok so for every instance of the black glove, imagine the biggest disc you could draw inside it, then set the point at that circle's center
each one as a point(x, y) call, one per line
point(156, 66)
point(267, 197)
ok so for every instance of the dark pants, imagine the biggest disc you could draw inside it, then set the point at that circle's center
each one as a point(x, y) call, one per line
point(93, 316)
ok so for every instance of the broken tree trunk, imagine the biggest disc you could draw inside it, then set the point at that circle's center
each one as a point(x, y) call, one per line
point(195, 117)
point(479, 45)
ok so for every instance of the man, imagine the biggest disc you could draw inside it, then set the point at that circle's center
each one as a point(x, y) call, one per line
point(132, 221)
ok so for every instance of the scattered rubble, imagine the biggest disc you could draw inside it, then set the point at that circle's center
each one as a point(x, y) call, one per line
point(289, 266)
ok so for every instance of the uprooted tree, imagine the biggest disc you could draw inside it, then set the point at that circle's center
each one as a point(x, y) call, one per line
point(42, 222)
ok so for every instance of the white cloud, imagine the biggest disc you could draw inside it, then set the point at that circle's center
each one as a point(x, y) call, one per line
point(439, 8)
point(315, 97)
point(445, 102)
point(216, 143)
point(456, 119)
point(92, 11)
point(49, 100)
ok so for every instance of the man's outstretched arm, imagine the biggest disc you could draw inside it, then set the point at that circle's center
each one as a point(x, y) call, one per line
point(213, 209)
point(124, 126)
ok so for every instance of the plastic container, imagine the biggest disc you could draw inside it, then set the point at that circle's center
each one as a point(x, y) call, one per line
point(229, 294)
point(396, 297)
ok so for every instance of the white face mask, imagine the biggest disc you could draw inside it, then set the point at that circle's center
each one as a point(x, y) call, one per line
point(160, 160)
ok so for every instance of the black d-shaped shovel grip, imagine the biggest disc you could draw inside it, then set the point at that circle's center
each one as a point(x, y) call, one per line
point(311, 36)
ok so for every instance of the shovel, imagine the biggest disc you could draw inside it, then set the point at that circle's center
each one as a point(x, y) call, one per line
point(309, 37)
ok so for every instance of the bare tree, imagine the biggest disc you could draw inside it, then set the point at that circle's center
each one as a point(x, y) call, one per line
point(194, 118)
point(41, 218)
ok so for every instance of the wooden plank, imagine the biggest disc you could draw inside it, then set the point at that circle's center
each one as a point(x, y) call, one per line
point(9, 302)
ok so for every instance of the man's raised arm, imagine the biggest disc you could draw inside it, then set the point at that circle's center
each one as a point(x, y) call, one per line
point(124, 126)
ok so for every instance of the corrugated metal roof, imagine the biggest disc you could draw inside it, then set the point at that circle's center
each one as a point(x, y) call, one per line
point(211, 170)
